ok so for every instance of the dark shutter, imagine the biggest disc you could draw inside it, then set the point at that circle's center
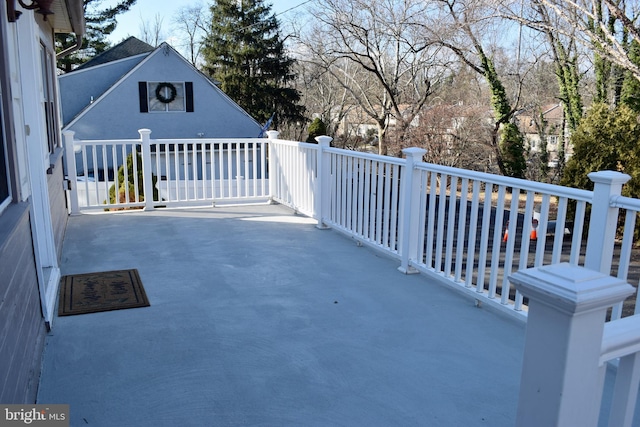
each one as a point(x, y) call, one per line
point(144, 99)
point(188, 95)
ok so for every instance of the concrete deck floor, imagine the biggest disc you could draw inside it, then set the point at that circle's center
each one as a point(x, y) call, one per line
point(258, 318)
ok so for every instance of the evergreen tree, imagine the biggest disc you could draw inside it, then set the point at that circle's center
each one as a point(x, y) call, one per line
point(244, 51)
point(512, 149)
point(607, 139)
point(100, 23)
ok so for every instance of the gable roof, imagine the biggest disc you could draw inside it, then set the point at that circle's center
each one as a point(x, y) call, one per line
point(233, 121)
point(552, 115)
point(126, 48)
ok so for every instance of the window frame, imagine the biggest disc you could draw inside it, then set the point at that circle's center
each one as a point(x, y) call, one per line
point(181, 96)
point(49, 102)
point(145, 95)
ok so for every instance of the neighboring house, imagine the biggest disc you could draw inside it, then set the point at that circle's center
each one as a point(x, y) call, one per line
point(443, 119)
point(134, 86)
point(33, 212)
point(353, 121)
point(545, 128)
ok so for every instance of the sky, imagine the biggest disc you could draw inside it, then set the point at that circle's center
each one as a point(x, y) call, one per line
point(146, 10)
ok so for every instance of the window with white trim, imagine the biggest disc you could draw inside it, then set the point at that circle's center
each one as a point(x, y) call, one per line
point(49, 99)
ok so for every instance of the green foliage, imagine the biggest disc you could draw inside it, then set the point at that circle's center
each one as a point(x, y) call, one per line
point(245, 53)
point(511, 142)
point(607, 139)
point(602, 66)
point(568, 74)
point(512, 150)
point(316, 128)
point(614, 84)
point(129, 182)
point(631, 87)
point(540, 162)
point(100, 23)
point(499, 100)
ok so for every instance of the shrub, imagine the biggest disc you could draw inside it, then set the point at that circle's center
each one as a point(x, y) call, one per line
point(316, 128)
point(128, 184)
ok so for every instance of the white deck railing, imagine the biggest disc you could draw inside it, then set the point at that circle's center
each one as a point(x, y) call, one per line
point(184, 172)
point(467, 229)
point(293, 173)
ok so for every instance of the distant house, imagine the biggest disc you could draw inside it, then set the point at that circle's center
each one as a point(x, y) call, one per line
point(134, 86)
point(544, 127)
point(33, 212)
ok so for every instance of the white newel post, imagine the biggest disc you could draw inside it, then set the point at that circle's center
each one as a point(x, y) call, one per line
point(604, 219)
point(560, 382)
point(272, 134)
point(145, 136)
point(409, 202)
point(72, 173)
point(322, 196)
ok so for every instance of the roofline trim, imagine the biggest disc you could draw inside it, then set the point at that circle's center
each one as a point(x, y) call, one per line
point(76, 72)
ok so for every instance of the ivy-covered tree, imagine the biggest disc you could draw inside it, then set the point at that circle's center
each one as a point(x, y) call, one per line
point(245, 52)
point(510, 146)
point(100, 23)
point(506, 140)
point(631, 87)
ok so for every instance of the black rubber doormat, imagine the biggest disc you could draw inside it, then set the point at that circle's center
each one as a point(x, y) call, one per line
point(105, 291)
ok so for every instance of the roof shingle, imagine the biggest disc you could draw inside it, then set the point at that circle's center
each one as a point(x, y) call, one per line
point(126, 48)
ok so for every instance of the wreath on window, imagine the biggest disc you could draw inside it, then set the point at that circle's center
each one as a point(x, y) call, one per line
point(160, 92)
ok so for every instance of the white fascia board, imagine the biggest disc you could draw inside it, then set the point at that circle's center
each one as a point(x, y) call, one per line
point(76, 72)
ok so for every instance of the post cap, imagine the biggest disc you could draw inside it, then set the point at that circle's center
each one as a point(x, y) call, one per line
point(272, 134)
point(571, 288)
point(606, 177)
point(324, 140)
point(414, 151)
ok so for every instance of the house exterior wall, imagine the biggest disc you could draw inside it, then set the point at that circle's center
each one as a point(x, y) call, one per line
point(32, 215)
point(552, 127)
point(57, 201)
point(117, 115)
point(22, 328)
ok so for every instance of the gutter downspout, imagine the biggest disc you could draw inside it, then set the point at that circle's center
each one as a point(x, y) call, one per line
point(71, 49)
point(76, 15)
